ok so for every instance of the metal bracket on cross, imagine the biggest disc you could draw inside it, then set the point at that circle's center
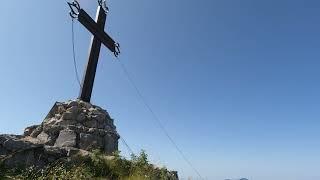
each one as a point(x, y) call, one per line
point(103, 4)
point(74, 9)
point(117, 49)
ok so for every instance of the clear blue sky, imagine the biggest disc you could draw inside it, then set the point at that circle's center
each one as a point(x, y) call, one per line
point(236, 83)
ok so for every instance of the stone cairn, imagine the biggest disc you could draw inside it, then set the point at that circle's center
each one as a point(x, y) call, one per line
point(70, 128)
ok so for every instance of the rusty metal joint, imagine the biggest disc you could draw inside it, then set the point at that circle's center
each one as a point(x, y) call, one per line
point(117, 49)
point(103, 4)
point(74, 9)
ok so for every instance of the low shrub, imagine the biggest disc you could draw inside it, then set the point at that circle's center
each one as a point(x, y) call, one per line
point(95, 166)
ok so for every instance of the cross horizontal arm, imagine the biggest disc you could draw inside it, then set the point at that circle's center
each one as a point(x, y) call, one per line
point(92, 26)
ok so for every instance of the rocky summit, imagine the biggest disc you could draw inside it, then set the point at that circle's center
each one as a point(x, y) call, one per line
point(72, 127)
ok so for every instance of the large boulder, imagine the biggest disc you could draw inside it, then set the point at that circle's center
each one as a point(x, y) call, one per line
point(66, 138)
point(90, 141)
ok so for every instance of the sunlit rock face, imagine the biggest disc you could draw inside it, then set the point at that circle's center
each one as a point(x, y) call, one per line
point(70, 127)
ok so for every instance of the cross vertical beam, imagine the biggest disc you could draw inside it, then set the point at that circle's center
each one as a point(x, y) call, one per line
point(94, 52)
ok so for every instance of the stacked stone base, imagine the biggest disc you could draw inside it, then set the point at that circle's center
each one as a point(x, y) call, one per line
point(70, 128)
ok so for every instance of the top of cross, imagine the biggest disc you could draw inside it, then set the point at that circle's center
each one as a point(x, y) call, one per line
point(96, 27)
point(75, 7)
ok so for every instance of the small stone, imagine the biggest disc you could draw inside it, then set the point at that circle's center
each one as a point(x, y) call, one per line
point(66, 138)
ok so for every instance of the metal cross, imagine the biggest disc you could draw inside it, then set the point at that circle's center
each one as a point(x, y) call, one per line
point(99, 36)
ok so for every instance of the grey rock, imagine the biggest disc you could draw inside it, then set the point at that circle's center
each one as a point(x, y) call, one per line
point(86, 105)
point(72, 103)
point(43, 138)
point(55, 151)
point(66, 138)
point(101, 125)
point(16, 151)
point(12, 144)
point(29, 130)
point(67, 116)
point(74, 110)
point(65, 122)
point(3, 151)
point(57, 116)
point(36, 131)
point(90, 142)
point(91, 124)
point(92, 131)
point(81, 117)
point(97, 108)
point(102, 132)
point(108, 128)
point(101, 118)
point(50, 121)
point(23, 158)
point(95, 111)
point(53, 130)
point(110, 144)
point(6, 137)
point(76, 128)
point(72, 151)
point(61, 109)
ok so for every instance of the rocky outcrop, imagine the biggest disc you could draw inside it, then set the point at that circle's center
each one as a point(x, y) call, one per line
point(69, 128)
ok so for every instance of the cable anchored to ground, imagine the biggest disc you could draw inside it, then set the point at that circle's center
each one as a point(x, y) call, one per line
point(157, 119)
point(127, 146)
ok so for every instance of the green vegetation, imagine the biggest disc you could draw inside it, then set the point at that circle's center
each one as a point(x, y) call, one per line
point(95, 166)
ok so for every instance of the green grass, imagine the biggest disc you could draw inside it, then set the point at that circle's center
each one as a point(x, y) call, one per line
point(95, 166)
